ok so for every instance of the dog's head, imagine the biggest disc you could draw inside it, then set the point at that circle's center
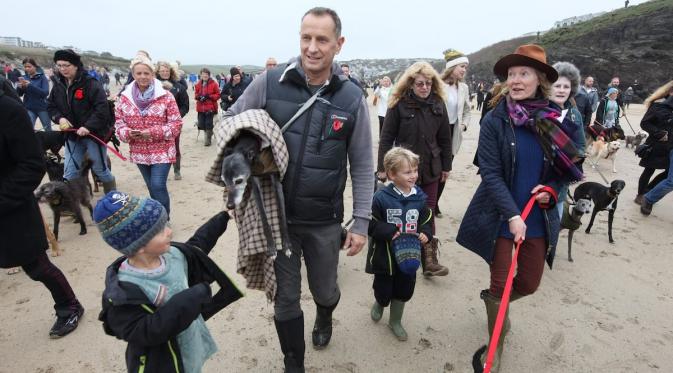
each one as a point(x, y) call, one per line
point(235, 174)
point(51, 192)
point(54, 168)
point(613, 146)
point(583, 205)
point(641, 135)
point(616, 186)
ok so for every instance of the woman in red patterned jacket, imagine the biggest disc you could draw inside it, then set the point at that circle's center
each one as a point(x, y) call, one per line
point(206, 93)
point(148, 119)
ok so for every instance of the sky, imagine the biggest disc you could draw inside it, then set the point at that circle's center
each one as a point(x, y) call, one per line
point(217, 32)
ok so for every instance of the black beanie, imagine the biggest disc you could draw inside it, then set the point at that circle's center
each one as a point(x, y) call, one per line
point(68, 55)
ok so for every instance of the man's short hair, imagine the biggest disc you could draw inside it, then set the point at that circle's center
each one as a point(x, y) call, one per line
point(321, 11)
point(345, 65)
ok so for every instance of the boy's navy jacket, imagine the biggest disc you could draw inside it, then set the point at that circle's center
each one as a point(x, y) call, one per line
point(150, 331)
point(389, 205)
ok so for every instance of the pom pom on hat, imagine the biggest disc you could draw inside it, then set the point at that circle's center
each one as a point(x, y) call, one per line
point(454, 57)
point(128, 223)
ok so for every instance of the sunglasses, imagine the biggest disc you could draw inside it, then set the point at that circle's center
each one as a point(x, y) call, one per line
point(423, 84)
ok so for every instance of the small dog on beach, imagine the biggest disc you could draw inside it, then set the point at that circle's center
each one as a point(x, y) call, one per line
point(603, 198)
point(572, 219)
point(604, 150)
point(635, 140)
point(67, 197)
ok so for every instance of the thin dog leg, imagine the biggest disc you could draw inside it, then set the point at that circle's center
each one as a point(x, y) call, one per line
point(57, 220)
point(55, 249)
point(82, 225)
point(591, 222)
point(282, 217)
point(611, 215)
point(257, 192)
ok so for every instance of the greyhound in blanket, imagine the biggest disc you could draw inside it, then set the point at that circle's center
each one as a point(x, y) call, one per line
point(245, 160)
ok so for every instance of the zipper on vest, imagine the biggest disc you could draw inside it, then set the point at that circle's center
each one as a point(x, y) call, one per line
point(300, 160)
point(322, 133)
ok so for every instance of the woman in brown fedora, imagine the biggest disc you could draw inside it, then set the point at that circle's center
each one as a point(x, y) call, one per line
point(522, 147)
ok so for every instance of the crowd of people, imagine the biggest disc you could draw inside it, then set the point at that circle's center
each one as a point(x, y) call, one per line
point(157, 296)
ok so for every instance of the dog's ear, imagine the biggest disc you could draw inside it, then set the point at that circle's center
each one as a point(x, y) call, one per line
point(250, 154)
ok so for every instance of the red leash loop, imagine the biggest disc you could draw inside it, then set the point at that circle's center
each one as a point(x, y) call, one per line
point(110, 148)
point(504, 301)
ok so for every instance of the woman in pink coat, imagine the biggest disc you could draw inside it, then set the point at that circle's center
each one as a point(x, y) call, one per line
point(148, 119)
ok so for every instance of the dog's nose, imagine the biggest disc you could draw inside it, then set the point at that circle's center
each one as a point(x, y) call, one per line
point(230, 205)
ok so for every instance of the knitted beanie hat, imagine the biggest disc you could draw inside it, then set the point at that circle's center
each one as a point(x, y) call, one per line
point(407, 251)
point(453, 58)
point(128, 223)
point(143, 58)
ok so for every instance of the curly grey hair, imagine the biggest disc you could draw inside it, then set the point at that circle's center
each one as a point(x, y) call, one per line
point(571, 72)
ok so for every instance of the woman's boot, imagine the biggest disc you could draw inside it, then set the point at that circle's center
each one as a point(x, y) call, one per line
point(395, 320)
point(431, 266)
point(492, 304)
point(176, 168)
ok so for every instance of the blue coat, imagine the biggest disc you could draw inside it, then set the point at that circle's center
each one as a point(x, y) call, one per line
point(35, 94)
point(492, 203)
point(390, 209)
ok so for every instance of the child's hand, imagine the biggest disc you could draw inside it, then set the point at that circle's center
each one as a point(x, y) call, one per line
point(423, 238)
point(397, 234)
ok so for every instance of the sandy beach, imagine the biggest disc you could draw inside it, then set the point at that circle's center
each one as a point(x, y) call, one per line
point(609, 311)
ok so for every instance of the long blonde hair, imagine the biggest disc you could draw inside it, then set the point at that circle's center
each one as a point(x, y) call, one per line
point(446, 76)
point(407, 80)
point(661, 92)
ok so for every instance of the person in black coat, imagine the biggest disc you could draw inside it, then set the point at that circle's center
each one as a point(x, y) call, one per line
point(171, 82)
point(658, 122)
point(24, 241)
point(233, 89)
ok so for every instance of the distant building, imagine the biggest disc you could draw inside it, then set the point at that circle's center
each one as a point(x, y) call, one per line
point(577, 19)
point(10, 40)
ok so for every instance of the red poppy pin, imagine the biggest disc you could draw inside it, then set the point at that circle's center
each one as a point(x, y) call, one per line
point(79, 93)
point(337, 125)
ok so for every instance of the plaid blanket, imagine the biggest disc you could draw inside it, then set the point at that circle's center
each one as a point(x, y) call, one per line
point(253, 263)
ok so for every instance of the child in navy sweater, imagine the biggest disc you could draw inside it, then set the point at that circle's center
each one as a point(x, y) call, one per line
point(400, 225)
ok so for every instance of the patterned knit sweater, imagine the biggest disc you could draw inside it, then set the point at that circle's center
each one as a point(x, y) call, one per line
point(163, 120)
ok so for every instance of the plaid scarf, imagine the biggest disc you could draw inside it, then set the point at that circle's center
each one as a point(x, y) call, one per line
point(557, 146)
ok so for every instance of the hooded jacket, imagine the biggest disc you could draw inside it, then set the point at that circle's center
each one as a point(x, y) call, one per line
point(392, 212)
point(658, 121)
point(35, 94)
point(151, 332)
point(83, 103)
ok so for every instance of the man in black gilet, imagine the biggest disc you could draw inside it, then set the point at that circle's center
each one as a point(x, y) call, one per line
point(333, 132)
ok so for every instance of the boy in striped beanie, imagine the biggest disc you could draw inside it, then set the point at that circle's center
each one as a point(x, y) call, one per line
point(157, 295)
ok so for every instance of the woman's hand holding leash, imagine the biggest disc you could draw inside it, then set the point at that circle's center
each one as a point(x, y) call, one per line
point(541, 198)
point(517, 228)
point(82, 131)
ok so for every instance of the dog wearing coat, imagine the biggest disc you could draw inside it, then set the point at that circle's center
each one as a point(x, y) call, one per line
point(572, 220)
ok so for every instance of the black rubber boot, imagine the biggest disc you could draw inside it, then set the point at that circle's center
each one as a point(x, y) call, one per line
point(322, 328)
point(291, 337)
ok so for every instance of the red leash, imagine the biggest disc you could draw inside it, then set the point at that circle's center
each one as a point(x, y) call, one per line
point(110, 148)
point(504, 302)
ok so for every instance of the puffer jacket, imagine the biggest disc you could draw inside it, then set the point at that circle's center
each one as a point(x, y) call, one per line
point(163, 120)
point(421, 126)
point(212, 92)
point(35, 94)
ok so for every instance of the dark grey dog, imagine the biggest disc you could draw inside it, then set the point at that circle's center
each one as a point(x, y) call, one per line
point(603, 198)
point(572, 220)
point(244, 161)
point(67, 196)
point(635, 140)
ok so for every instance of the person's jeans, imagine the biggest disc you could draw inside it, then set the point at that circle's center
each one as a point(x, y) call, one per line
point(664, 187)
point(155, 176)
point(44, 119)
point(74, 157)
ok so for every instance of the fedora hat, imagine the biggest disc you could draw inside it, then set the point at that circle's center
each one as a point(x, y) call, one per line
point(530, 55)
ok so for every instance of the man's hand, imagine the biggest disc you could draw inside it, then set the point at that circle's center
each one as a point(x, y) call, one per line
point(445, 176)
point(354, 243)
point(381, 175)
point(82, 131)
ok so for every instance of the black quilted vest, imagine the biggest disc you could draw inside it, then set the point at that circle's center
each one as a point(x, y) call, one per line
point(317, 143)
